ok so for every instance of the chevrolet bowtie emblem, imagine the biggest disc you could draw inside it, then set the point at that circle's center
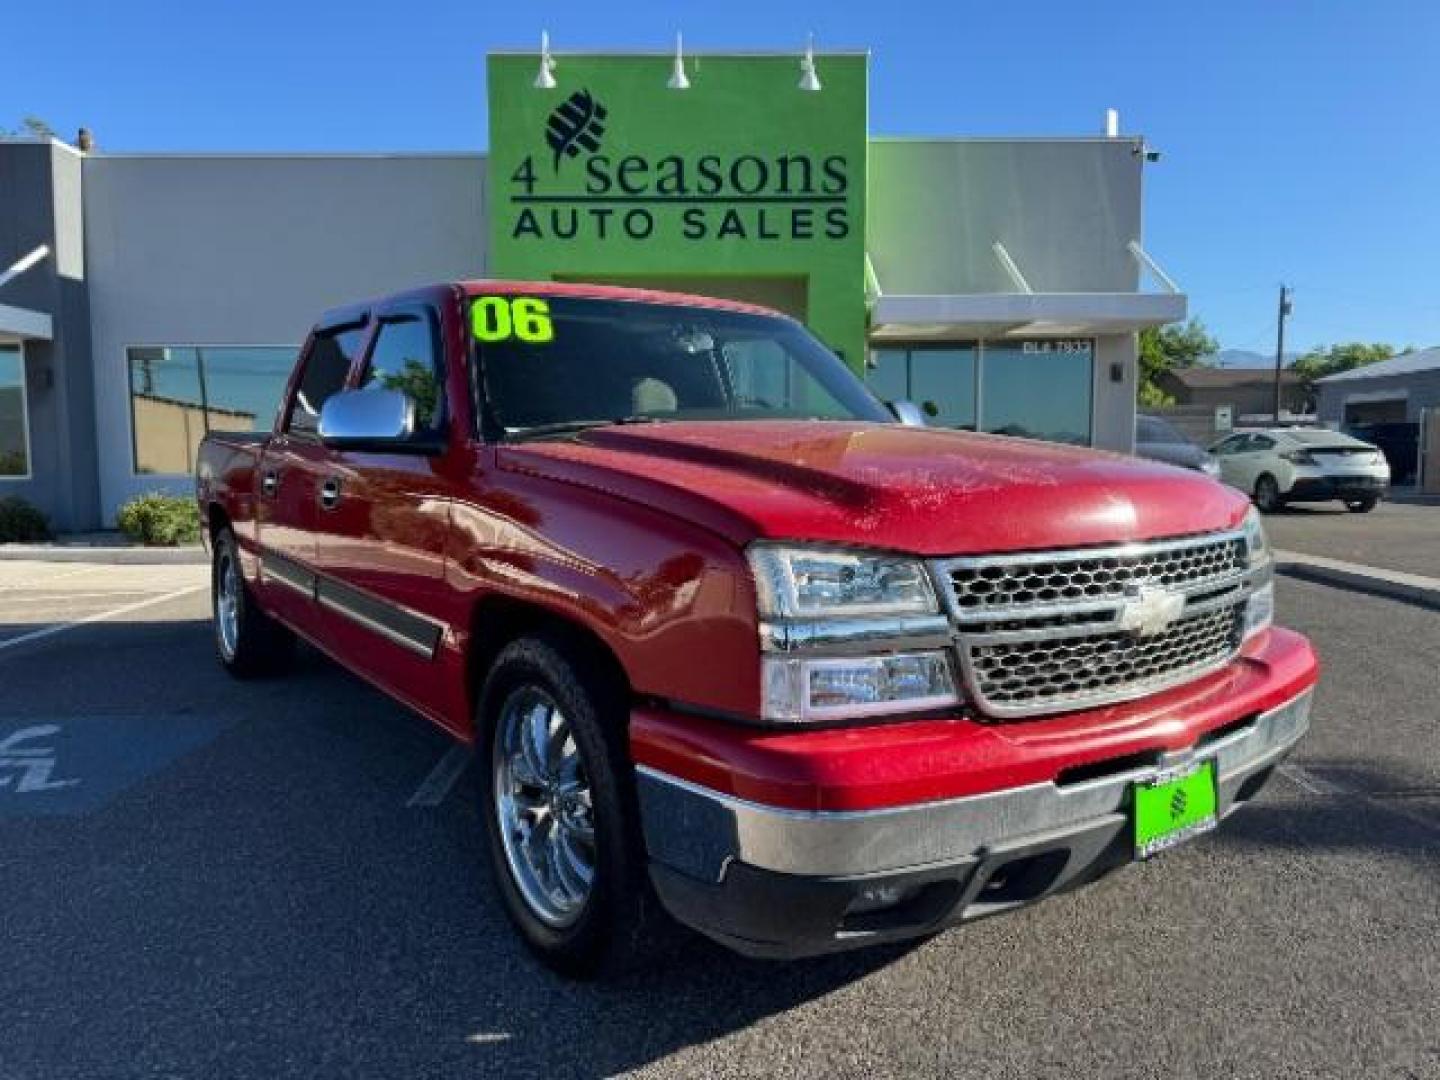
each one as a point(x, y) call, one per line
point(1148, 611)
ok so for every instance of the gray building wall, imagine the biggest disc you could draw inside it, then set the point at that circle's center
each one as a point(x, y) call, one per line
point(41, 202)
point(1063, 208)
point(248, 250)
point(1421, 390)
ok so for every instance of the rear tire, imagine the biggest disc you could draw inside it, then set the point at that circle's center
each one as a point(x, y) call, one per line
point(248, 642)
point(560, 813)
point(1362, 505)
point(1267, 494)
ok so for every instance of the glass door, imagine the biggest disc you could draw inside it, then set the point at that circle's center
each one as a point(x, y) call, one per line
point(939, 379)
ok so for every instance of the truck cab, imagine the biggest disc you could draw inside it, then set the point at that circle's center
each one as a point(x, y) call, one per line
point(730, 644)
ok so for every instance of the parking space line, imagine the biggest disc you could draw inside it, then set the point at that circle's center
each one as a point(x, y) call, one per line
point(99, 616)
point(59, 596)
point(447, 770)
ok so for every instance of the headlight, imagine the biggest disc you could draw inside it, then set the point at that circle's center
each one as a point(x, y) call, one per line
point(1210, 467)
point(796, 582)
point(846, 599)
point(797, 690)
point(1256, 546)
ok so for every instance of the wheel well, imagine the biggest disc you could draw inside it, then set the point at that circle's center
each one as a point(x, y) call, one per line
point(499, 620)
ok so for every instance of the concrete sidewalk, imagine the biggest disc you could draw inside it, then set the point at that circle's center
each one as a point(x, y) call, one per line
point(103, 547)
point(1393, 584)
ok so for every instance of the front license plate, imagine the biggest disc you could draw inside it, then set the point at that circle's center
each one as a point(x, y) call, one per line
point(1173, 807)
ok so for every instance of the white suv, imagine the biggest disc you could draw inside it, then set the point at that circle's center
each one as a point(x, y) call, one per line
point(1303, 465)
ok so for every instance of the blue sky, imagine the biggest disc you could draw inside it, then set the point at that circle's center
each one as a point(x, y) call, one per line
point(1298, 138)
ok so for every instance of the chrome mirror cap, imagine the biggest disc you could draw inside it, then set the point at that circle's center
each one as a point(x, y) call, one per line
point(908, 413)
point(372, 415)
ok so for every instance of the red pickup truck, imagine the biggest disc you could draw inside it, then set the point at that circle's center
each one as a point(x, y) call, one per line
point(726, 637)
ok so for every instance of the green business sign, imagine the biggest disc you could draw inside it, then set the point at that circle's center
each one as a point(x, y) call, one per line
point(743, 185)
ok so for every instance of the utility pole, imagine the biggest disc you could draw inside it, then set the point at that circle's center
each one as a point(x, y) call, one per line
point(1283, 314)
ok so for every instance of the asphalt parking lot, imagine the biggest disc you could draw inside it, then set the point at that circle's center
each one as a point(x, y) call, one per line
point(204, 878)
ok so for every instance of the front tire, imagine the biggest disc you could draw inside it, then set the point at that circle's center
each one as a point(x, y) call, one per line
point(1267, 494)
point(1362, 505)
point(556, 792)
point(247, 641)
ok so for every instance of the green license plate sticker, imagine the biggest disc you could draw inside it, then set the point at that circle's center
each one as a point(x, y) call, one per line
point(1173, 807)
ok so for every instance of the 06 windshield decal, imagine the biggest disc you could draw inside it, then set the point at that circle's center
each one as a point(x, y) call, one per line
point(500, 318)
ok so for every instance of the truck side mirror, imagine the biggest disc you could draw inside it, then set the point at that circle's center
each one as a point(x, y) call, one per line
point(908, 413)
point(367, 419)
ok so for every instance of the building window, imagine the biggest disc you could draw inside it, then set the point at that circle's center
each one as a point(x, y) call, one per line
point(939, 380)
point(1038, 389)
point(14, 419)
point(177, 394)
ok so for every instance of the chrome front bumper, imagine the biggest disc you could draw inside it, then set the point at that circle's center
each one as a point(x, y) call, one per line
point(711, 853)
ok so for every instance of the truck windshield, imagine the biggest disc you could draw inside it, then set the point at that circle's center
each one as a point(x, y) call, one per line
point(555, 364)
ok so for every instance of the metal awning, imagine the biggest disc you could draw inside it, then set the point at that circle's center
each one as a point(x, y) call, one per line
point(1024, 314)
point(22, 324)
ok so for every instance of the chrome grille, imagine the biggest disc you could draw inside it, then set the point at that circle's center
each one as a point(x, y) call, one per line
point(1056, 671)
point(993, 584)
point(1045, 631)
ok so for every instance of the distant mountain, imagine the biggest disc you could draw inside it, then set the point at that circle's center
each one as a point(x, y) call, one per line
point(1247, 358)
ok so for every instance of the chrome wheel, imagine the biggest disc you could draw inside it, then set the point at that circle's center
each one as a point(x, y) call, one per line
point(543, 805)
point(227, 603)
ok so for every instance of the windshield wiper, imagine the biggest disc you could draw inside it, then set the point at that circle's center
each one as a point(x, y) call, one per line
point(571, 427)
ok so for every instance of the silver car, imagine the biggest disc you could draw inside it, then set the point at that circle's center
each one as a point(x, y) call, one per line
point(1303, 465)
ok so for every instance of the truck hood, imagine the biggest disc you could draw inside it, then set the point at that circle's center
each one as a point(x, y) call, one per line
point(926, 491)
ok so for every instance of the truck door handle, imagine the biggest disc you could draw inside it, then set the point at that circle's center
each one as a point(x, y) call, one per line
point(269, 484)
point(330, 493)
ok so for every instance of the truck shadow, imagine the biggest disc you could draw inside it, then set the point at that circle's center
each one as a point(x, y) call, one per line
point(1363, 807)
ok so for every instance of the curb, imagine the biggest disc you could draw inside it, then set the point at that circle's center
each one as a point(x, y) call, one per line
point(189, 555)
point(1390, 584)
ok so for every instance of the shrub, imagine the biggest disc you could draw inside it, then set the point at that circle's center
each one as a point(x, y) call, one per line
point(160, 520)
point(21, 523)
